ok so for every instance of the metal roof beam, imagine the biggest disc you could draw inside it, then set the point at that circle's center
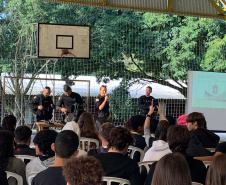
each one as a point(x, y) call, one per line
point(197, 8)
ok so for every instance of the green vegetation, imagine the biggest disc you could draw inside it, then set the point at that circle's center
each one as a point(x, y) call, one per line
point(124, 44)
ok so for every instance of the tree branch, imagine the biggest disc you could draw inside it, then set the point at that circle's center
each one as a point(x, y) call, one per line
point(33, 76)
point(181, 89)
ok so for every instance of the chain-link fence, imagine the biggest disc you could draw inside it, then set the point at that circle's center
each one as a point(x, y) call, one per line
point(18, 93)
point(16, 101)
point(135, 49)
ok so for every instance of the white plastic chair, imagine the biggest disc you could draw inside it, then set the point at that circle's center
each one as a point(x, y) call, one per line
point(146, 149)
point(16, 176)
point(206, 163)
point(211, 149)
point(86, 147)
point(30, 177)
point(196, 183)
point(145, 164)
point(121, 181)
point(22, 157)
point(135, 149)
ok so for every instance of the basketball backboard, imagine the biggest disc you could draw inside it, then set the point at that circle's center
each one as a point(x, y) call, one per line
point(63, 41)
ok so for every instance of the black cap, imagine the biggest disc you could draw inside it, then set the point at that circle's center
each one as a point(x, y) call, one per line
point(66, 88)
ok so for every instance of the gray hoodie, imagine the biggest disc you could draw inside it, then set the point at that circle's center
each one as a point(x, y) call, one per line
point(36, 165)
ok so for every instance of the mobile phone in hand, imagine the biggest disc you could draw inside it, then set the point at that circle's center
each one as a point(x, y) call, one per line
point(155, 104)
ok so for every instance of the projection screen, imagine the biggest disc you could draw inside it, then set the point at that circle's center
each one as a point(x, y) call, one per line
point(206, 93)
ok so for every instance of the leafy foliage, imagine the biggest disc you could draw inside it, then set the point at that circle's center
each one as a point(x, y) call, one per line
point(124, 44)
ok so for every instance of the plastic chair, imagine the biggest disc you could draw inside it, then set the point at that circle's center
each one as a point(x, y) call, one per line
point(211, 149)
point(24, 157)
point(109, 180)
point(146, 149)
point(135, 149)
point(146, 164)
point(16, 176)
point(207, 163)
point(196, 183)
point(86, 143)
point(30, 177)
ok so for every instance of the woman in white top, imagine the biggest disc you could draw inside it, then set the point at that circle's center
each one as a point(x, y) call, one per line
point(159, 146)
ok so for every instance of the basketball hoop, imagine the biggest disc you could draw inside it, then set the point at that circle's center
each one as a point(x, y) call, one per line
point(63, 41)
point(66, 52)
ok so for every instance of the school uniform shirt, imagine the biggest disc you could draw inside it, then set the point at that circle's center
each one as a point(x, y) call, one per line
point(121, 166)
point(50, 176)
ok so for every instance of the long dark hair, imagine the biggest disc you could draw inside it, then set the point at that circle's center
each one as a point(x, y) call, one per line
point(165, 175)
point(6, 147)
point(216, 174)
point(161, 130)
point(9, 123)
point(178, 138)
point(87, 126)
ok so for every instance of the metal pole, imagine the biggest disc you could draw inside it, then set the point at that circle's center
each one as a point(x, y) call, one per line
point(3, 100)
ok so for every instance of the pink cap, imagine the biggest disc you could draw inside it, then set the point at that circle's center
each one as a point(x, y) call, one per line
point(182, 120)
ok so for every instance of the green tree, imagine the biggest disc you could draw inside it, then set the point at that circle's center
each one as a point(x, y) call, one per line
point(215, 59)
point(124, 44)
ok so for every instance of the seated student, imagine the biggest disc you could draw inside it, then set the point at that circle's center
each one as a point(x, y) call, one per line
point(148, 137)
point(195, 147)
point(73, 126)
point(181, 120)
point(217, 171)
point(23, 140)
point(178, 138)
point(220, 149)
point(8, 162)
point(172, 169)
point(196, 124)
point(88, 128)
point(65, 147)
point(105, 129)
point(171, 120)
point(137, 127)
point(159, 147)
point(42, 141)
point(9, 123)
point(3, 177)
point(83, 171)
point(115, 163)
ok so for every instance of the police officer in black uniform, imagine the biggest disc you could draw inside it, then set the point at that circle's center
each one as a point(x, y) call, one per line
point(144, 102)
point(70, 104)
point(102, 107)
point(42, 106)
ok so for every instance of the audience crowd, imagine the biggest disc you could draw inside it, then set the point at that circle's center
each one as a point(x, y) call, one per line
point(175, 153)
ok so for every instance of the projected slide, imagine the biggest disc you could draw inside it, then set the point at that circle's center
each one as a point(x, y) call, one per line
point(209, 90)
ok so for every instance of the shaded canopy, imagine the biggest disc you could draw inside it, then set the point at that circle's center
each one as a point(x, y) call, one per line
point(197, 8)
